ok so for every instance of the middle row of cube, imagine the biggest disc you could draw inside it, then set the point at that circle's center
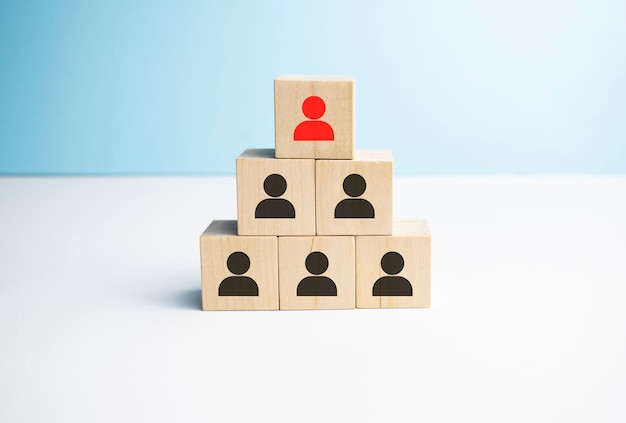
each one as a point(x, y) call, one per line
point(314, 197)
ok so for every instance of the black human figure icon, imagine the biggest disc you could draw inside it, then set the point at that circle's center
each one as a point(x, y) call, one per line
point(316, 286)
point(238, 263)
point(392, 263)
point(275, 208)
point(354, 208)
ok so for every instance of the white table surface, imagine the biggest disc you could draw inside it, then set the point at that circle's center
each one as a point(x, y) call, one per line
point(100, 314)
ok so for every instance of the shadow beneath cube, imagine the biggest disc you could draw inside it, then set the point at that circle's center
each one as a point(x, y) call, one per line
point(190, 299)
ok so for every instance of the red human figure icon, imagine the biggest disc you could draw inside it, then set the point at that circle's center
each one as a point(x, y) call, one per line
point(313, 108)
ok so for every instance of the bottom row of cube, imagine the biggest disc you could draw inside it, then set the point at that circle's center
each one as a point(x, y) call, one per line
point(315, 272)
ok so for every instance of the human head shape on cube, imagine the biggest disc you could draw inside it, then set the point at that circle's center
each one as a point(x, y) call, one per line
point(354, 185)
point(392, 263)
point(316, 263)
point(275, 185)
point(238, 263)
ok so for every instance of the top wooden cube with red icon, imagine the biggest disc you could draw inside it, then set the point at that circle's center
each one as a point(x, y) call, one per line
point(314, 117)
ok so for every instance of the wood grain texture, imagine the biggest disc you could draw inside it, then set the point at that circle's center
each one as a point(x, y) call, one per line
point(376, 168)
point(217, 243)
point(253, 167)
point(338, 95)
point(411, 239)
point(293, 252)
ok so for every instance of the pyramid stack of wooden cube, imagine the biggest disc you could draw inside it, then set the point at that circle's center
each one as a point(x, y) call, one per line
point(314, 225)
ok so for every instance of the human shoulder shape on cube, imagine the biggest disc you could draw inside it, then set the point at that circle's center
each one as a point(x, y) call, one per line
point(314, 117)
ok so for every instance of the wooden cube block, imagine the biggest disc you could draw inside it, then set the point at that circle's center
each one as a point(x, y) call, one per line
point(316, 272)
point(314, 117)
point(238, 272)
point(394, 271)
point(275, 196)
point(354, 197)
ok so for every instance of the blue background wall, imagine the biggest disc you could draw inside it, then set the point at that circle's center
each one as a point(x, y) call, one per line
point(184, 86)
